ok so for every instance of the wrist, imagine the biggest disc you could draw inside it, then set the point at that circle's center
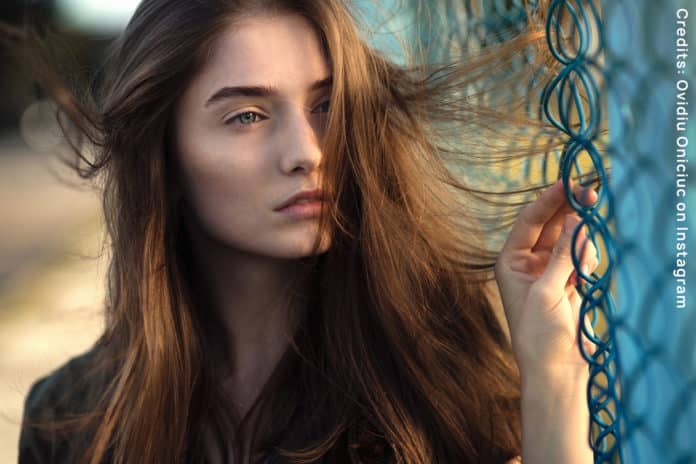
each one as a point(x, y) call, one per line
point(559, 378)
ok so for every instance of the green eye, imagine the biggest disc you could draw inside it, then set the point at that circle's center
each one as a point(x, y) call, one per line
point(326, 103)
point(244, 120)
point(247, 118)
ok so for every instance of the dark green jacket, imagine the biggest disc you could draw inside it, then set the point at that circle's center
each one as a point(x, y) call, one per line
point(45, 402)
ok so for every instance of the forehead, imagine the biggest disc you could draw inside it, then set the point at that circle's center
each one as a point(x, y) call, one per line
point(282, 50)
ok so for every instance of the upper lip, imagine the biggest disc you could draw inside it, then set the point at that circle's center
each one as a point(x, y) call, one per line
point(305, 194)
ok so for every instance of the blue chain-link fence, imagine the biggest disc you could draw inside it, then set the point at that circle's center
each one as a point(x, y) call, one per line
point(618, 96)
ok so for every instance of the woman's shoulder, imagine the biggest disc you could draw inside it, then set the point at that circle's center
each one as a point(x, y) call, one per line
point(68, 389)
point(69, 380)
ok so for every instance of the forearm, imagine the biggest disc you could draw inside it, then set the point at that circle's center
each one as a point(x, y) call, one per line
point(555, 417)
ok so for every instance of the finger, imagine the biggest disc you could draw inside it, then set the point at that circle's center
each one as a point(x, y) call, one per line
point(588, 261)
point(588, 345)
point(572, 293)
point(551, 232)
point(560, 264)
point(575, 301)
point(529, 224)
point(587, 255)
point(584, 248)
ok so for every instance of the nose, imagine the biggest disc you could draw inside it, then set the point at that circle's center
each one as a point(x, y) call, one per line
point(299, 143)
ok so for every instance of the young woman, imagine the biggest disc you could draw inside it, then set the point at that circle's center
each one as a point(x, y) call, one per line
point(293, 276)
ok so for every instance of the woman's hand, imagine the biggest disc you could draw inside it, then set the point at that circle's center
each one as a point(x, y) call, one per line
point(536, 279)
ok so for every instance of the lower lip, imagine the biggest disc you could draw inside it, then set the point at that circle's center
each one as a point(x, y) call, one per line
point(303, 210)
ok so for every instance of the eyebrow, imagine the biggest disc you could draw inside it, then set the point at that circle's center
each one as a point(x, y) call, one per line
point(259, 91)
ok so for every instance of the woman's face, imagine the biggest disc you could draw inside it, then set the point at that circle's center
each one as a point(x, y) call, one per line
point(243, 153)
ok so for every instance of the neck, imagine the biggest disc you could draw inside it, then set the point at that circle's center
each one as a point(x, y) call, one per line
point(258, 300)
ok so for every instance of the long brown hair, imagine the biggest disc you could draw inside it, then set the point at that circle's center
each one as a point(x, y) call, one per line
point(402, 352)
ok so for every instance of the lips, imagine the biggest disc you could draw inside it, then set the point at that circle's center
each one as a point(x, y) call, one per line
point(305, 196)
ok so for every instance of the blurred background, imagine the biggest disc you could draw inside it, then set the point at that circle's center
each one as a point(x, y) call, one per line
point(51, 263)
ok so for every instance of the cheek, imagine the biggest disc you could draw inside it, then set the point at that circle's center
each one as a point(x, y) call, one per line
point(226, 194)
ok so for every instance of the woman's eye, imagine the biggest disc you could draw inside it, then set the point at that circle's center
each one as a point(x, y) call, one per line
point(324, 104)
point(245, 119)
point(248, 118)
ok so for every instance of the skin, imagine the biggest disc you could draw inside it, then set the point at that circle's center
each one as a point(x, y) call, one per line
point(235, 175)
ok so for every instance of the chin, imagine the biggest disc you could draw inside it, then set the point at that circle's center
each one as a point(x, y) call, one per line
point(303, 248)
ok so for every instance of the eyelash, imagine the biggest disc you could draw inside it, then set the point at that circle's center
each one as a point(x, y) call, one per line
point(238, 115)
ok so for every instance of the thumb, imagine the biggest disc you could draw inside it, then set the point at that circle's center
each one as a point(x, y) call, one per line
point(560, 265)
